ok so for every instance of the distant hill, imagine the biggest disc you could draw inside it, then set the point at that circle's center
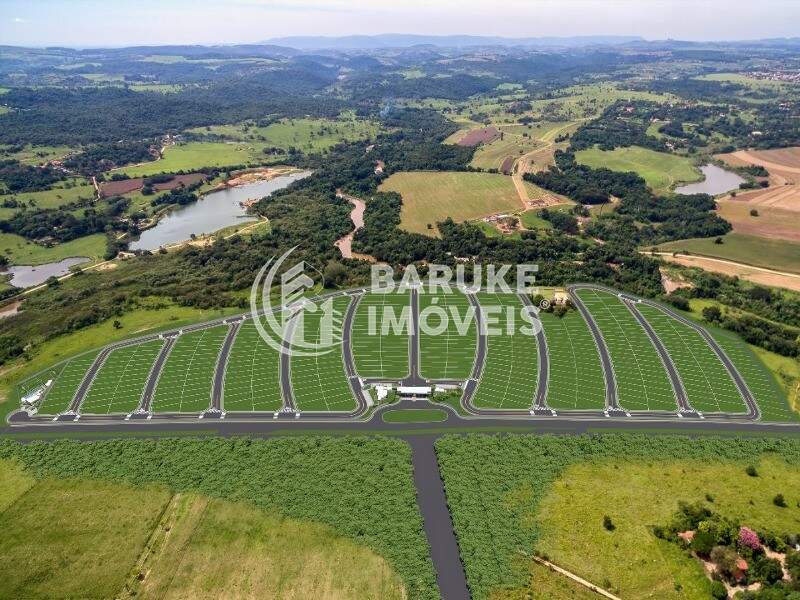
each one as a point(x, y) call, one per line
point(396, 40)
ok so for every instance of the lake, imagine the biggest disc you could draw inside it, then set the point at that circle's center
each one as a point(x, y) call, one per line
point(23, 276)
point(210, 213)
point(717, 181)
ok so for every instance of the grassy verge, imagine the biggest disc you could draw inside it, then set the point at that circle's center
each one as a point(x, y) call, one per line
point(360, 487)
point(516, 494)
point(416, 415)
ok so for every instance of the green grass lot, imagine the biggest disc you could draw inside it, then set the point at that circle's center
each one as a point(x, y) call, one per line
point(308, 135)
point(184, 545)
point(320, 517)
point(515, 141)
point(196, 155)
point(380, 335)
point(660, 170)
point(185, 381)
point(69, 539)
point(119, 383)
point(429, 197)
point(414, 415)
point(510, 372)
point(772, 400)
point(576, 378)
point(708, 385)
point(786, 370)
point(319, 382)
point(66, 379)
point(544, 584)
point(21, 251)
point(447, 350)
point(36, 155)
point(642, 382)
point(780, 255)
point(154, 314)
point(531, 220)
point(513, 495)
point(252, 376)
point(71, 190)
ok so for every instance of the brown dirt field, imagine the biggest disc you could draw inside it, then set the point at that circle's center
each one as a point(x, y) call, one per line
point(771, 222)
point(126, 186)
point(484, 135)
point(508, 165)
point(753, 274)
point(783, 164)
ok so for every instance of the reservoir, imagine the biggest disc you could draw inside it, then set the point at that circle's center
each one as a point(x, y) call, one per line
point(23, 276)
point(717, 181)
point(210, 213)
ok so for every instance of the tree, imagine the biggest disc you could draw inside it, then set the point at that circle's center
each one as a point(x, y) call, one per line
point(767, 570)
point(779, 500)
point(712, 314)
point(608, 524)
point(718, 591)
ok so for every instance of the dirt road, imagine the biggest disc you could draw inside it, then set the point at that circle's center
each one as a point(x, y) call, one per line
point(345, 244)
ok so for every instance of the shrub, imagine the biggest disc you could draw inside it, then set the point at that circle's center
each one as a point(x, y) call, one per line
point(779, 500)
point(718, 591)
point(751, 470)
point(749, 538)
point(767, 570)
point(608, 524)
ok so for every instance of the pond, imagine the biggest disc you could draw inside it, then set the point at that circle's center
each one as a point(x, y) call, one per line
point(23, 276)
point(210, 213)
point(717, 181)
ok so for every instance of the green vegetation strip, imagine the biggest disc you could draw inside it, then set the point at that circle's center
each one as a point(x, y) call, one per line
point(642, 382)
point(708, 384)
point(380, 335)
point(361, 487)
point(763, 385)
point(319, 381)
point(507, 501)
point(66, 377)
point(511, 368)
point(252, 375)
point(576, 378)
point(447, 336)
point(119, 384)
point(414, 415)
point(185, 381)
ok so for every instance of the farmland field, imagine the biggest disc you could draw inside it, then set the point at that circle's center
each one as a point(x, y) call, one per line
point(98, 536)
point(660, 170)
point(516, 140)
point(708, 385)
point(192, 156)
point(642, 382)
point(770, 222)
point(339, 514)
point(184, 384)
point(380, 342)
point(550, 493)
point(429, 197)
point(119, 383)
point(751, 250)
point(319, 381)
point(510, 372)
point(308, 135)
point(448, 354)
point(576, 379)
point(252, 375)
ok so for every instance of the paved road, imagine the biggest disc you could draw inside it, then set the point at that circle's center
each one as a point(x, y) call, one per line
point(221, 366)
point(543, 377)
point(152, 379)
point(436, 518)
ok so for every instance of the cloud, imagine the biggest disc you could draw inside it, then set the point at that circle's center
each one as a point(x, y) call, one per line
point(19, 20)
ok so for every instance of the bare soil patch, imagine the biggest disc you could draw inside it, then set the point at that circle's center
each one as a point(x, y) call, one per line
point(753, 274)
point(772, 221)
point(508, 165)
point(126, 186)
point(484, 135)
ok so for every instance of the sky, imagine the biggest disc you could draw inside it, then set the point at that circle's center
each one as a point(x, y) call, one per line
point(113, 23)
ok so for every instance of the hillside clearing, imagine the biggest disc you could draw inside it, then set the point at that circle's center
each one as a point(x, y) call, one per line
point(430, 197)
